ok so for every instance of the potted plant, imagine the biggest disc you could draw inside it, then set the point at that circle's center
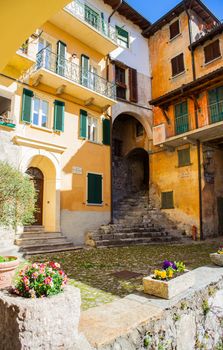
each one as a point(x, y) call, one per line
point(169, 281)
point(8, 265)
point(217, 258)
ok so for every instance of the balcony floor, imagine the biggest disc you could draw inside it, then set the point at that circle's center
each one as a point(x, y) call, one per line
point(78, 91)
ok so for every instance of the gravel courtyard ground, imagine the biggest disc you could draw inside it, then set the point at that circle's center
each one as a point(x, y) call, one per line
point(93, 270)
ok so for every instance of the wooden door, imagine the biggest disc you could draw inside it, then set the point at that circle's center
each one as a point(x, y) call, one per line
point(36, 176)
point(220, 215)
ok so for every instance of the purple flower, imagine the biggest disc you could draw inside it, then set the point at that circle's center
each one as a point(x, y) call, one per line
point(167, 264)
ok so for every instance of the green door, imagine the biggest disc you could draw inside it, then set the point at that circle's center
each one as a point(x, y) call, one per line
point(181, 118)
point(61, 58)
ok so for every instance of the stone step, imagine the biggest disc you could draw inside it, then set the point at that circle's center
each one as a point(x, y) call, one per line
point(40, 240)
point(131, 241)
point(123, 235)
point(35, 235)
point(34, 228)
point(49, 250)
point(45, 247)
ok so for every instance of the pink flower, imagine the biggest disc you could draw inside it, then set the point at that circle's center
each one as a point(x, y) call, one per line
point(35, 275)
point(48, 281)
point(35, 266)
point(26, 280)
point(54, 265)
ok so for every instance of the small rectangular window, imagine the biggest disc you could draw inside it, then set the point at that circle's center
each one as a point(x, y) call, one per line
point(92, 129)
point(94, 189)
point(167, 200)
point(212, 51)
point(120, 82)
point(177, 64)
point(40, 112)
point(122, 37)
point(184, 157)
point(174, 29)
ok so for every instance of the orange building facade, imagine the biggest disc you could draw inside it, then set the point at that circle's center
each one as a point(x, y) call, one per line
point(186, 48)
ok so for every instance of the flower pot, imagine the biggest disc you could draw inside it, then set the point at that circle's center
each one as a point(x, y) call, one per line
point(168, 289)
point(7, 271)
point(217, 259)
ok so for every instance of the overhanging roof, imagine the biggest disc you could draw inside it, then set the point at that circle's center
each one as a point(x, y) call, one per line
point(196, 5)
point(193, 87)
point(129, 13)
point(218, 29)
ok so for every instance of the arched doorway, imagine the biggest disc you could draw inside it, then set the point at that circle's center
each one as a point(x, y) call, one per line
point(37, 177)
point(130, 158)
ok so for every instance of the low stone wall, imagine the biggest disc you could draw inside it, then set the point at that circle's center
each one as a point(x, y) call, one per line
point(191, 320)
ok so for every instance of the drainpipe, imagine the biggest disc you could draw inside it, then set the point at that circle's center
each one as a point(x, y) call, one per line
point(197, 125)
point(113, 12)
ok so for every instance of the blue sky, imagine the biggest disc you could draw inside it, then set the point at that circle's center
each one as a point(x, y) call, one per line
point(153, 9)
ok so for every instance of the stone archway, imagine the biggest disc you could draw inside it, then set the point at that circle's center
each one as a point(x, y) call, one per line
point(130, 159)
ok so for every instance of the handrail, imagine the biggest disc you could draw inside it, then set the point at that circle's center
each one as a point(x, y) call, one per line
point(72, 71)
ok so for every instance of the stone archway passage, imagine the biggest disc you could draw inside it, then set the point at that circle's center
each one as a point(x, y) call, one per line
point(137, 162)
point(37, 177)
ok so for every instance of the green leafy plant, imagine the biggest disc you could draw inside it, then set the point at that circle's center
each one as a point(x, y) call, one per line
point(219, 346)
point(6, 259)
point(17, 197)
point(205, 306)
point(40, 280)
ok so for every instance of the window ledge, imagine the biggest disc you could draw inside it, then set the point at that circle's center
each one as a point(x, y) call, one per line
point(41, 128)
point(95, 143)
point(170, 40)
point(215, 59)
point(183, 166)
point(177, 75)
point(94, 205)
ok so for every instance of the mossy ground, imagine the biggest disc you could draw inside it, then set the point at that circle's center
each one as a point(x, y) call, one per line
point(92, 270)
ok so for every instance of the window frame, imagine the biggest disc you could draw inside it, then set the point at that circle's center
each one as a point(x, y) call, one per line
point(189, 161)
point(179, 33)
point(175, 117)
point(102, 189)
point(121, 84)
point(178, 72)
point(120, 42)
point(211, 45)
point(162, 194)
point(40, 114)
point(88, 137)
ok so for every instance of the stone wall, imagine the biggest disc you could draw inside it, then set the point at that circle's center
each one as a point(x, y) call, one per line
point(192, 320)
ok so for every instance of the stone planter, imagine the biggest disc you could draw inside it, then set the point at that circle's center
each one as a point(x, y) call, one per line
point(45, 323)
point(168, 289)
point(217, 259)
point(7, 271)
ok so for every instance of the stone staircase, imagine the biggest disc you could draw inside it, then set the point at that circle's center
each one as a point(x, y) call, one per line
point(34, 240)
point(136, 222)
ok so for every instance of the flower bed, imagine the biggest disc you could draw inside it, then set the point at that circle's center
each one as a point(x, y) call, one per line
point(169, 281)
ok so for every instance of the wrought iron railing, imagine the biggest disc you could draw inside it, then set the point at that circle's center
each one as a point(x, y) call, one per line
point(181, 124)
point(216, 111)
point(92, 16)
point(69, 70)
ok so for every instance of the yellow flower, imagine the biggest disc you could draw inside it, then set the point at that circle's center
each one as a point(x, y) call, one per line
point(163, 274)
point(170, 273)
point(156, 272)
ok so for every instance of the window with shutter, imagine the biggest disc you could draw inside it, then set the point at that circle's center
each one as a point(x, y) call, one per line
point(83, 124)
point(106, 132)
point(181, 118)
point(85, 70)
point(167, 200)
point(120, 82)
point(212, 51)
point(122, 37)
point(184, 157)
point(177, 64)
point(27, 105)
point(61, 58)
point(174, 29)
point(59, 108)
point(94, 189)
point(133, 86)
point(215, 97)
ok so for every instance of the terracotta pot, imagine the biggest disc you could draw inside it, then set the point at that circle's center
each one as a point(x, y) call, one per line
point(7, 271)
point(217, 259)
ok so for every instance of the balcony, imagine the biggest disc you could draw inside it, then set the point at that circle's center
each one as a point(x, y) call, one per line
point(87, 24)
point(182, 124)
point(216, 112)
point(68, 77)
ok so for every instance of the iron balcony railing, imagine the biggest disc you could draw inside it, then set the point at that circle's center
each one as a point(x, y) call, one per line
point(181, 124)
point(216, 111)
point(69, 70)
point(87, 13)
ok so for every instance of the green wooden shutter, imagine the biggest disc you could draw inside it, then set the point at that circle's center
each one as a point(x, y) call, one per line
point(85, 67)
point(184, 157)
point(167, 200)
point(27, 105)
point(181, 118)
point(83, 124)
point(61, 58)
point(213, 103)
point(106, 132)
point(59, 108)
point(94, 189)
